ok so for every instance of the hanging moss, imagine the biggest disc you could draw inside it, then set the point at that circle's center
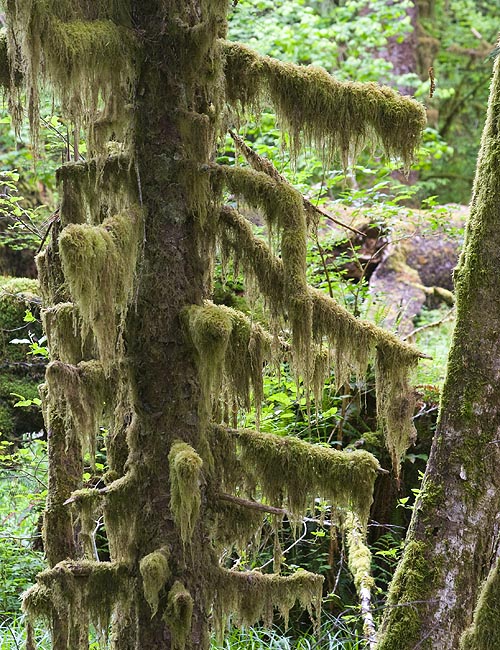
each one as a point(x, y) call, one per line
point(236, 236)
point(78, 394)
point(87, 503)
point(78, 593)
point(60, 324)
point(4, 60)
point(108, 253)
point(316, 108)
point(395, 399)
point(121, 517)
point(235, 525)
point(185, 479)
point(251, 596)
point(352, 343)
point(305, 471)
point(227, 344)
point(76, 55)
point(178, 614)
point(155, 572)
point(94, 190)
point(484, 633)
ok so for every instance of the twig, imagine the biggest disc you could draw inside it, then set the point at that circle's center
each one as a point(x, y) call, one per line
point(255, 505)
point(436, 323)
point(266, 166)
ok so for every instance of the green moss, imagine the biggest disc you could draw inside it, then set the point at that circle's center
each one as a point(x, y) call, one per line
point(228, 346)
point(316, 108)
point(4, 60)
point(61, 326)
point(185, 480)
point(121, 517)
point(76, 54)
point(108, 253)
point(359, 557)
point(251, 596)
point(155, 572)
point(283, 208)
point(78, 395)
point(88, 503)
point(235, 525)
point(178, 615)
point(305, 471)
point(484, 633)
point(407, 598)
point(78, 593)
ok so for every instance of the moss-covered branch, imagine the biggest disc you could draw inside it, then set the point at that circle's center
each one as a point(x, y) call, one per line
point(353, 343)
point(314, 107)
point(78, 593)
point(251, 596)
point(248, 459)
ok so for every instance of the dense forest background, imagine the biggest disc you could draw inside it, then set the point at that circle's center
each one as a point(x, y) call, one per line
point(392, 265)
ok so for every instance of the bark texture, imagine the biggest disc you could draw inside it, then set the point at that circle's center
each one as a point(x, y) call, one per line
point(454, 534)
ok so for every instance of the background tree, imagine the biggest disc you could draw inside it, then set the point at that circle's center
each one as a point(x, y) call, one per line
point(453, 539)
point(136, 342)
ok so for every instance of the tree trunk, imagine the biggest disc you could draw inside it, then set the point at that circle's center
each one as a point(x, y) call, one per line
point(454, 534)
point(173, 94)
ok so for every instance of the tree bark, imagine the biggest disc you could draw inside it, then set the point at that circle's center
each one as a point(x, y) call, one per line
point(454, 534)
point(175, 89)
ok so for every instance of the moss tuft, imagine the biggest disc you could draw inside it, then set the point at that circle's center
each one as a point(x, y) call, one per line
point(78, 395)
point(251, 596)
point(108, 253)
point(228, 345)
point(185, 479)
point(359, 556)
point(178, 614)
point(155, 572)
point(316, 108)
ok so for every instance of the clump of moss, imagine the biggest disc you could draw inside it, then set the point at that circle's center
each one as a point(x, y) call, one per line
point(484, 633)
point(185, 479)
point(178, 614)
point(78, 395)
point(60, 324)
point(88, 503)
point(227, 345)
point(108, 253)
point(155, 572)
point(121, 517)
point(316, 108)
point(359, 556)
point(4, 60)
point(251, 596)
point(77, 55)
point(395, 399)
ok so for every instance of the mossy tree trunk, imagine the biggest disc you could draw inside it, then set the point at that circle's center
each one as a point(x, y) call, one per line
point(453, 537)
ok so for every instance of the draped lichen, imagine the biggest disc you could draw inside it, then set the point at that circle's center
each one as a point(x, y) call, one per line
point(108, 253)
point(185, 485)
point(155, 572)
point(178, 614)
point(484, 633)
point(315, 107)
point(251, 596)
